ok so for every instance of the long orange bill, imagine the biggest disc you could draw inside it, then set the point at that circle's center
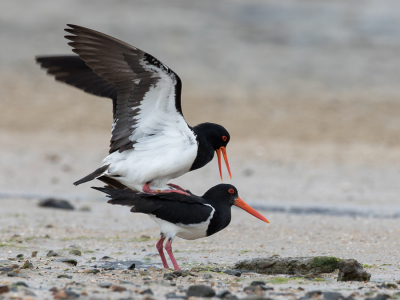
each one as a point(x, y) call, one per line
point(219, 161)
point(226, 160)
point(243, 205)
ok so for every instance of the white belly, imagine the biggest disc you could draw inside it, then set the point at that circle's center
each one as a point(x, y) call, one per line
point(137, 166)
point(187, 232)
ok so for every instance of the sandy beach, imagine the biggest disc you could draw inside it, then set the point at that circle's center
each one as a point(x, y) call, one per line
point(309, 93)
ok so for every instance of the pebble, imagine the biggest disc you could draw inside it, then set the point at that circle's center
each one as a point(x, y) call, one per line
point(64, 276)
point(20, 256)
point(333, 296)
point(105, 285)
point(34, 253)
point(200, 291)
point(146, 291)
point(207, 276)
point(117, 288)
point(75, 252)
point(56, 203)
point(20, 283)
point(4, 289)
point(51, 253)
point(352, 270)
point(92, 271)
point(27, 265)
point(68, 261)
point(233, 272)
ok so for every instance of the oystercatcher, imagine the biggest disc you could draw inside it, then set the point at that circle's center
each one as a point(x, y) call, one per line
point(188, 217)
point(151, 142)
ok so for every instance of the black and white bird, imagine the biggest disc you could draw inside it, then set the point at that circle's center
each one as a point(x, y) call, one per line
point(151, 143)
point(188, 217)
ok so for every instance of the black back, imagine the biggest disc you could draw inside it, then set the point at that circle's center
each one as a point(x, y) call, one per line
point(180, 209)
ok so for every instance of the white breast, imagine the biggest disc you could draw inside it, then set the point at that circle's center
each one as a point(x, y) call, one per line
point(187, 232)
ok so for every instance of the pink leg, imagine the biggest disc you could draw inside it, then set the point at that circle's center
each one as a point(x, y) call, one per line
point(168, 247)
point(176, 186)
point(146, 188)
point(159, 247)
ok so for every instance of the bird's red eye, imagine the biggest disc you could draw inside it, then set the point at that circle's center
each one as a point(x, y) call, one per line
point(224, 138)
point(231, 191)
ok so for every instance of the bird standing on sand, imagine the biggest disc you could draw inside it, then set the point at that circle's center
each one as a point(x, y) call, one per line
point(151, 142)
point(188, 217)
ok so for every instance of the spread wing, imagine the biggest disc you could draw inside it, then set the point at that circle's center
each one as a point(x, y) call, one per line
point(148, 93)
point(73, 71)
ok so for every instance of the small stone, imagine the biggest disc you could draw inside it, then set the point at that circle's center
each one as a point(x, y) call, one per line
point(34, 253)
point(64, 276)
point(253, 290)
point(169, 276)
point(352, 270)
point(333, 296)
point(117, 288)
point(226, 295)
point(14, 266)
point(20, 283)
point(105, 285)
point(85, 208)
point(313, 294)
point(6, 269)
point(51, 253)
point(132, 266)
point(75, 252)
point(233, 272)
point(256, 283)
point(20, 256)
point(207, 276)
point(106, 258)
point(200, 291)
point(27, 265)
point(68, 261)
point(146, 291)
point(4, 289)
point(56, 203)
point(92, 271)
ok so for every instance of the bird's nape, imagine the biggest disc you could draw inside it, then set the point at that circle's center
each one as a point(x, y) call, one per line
point(223, 150)
point(243, 205)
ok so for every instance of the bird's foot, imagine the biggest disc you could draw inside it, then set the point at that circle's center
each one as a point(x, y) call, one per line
point(146, 188)
point(175, 186)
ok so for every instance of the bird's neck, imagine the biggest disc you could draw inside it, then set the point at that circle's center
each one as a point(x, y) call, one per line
point(205, 151)
point(220, 219)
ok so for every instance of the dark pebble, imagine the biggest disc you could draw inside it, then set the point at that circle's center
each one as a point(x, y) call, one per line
point(333, 296)
point(255, 283)
point(233, 272)
point(352, 270)
point(71, 294)
point(56, 203)
point(20, 283)
point(27, 265)
point(207, 276)
point(169, 276)
point(68, 261)
point(105, 285)
point(4, 289)
point(147, 291)
point(34, 253)
point(64, 276)
point(313, 294)
point(6, 269)
point(174, 296)
point(51, 253)
point(200, 291)
point(92, 271)
point(13, 274)
point(132, 266)
point(75, 252)
point(20, 256)
point(252, 289)
point(106, 257)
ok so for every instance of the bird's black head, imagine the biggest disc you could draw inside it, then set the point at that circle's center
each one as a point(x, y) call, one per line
point(226, 195)
point(212, 137)
point(216, 135)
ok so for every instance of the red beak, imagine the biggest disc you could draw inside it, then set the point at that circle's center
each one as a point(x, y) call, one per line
point(223, 149)
point(243, 205)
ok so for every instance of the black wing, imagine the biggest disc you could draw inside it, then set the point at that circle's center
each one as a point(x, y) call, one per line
point(72, 70)
point(148, 92)
point(171, 207)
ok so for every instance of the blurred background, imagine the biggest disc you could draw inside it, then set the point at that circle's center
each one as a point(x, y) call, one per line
point(309, 91)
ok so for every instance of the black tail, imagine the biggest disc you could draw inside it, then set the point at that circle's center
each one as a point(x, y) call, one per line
point(93, 175)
